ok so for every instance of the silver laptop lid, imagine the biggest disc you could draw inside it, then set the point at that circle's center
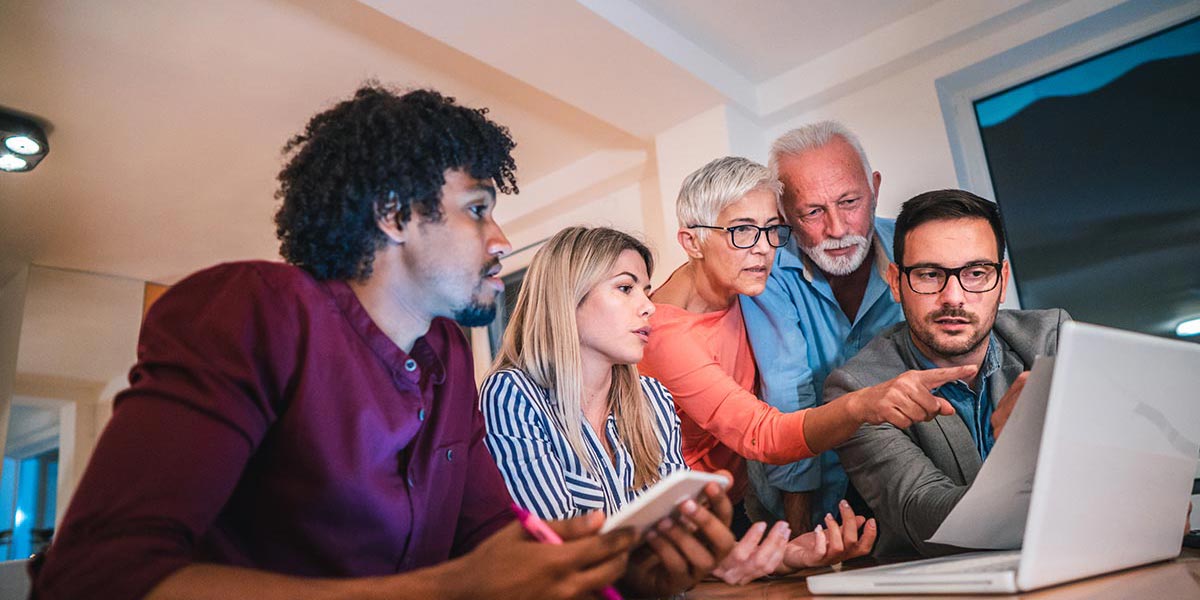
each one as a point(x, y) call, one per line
point(1118, 453)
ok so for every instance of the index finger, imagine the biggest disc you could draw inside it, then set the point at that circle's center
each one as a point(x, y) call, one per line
point(932, 378)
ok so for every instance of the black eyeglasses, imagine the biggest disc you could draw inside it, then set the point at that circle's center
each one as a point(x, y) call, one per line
point(977, 278)
point(746, 236)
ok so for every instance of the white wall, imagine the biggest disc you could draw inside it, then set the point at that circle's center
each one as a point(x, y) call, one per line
point(13, 278)
point(78, 335)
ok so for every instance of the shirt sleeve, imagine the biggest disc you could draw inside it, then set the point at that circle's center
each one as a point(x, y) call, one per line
point(786, 381)
point(519, 441)
point(197, 407)
point(710, 396)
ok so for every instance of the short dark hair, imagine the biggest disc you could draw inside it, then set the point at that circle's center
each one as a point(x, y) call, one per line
point(376, 154)
point(940, 205)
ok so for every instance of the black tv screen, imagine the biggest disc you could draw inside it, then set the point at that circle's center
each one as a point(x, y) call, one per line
point(1095, 168)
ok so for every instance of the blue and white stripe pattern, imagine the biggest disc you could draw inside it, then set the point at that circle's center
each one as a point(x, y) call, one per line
point(541, 469)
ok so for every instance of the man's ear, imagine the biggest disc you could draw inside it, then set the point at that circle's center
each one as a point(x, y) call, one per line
point(1003, 279)
point(389, 224)
point(893, 279)
point(690, 243)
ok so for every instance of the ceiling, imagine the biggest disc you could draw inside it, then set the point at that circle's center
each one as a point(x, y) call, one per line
point(766, 38)
point(167, 118)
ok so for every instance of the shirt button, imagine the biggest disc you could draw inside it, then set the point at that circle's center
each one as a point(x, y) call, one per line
point(449, 456)
point(421, 415)
point(410, 365)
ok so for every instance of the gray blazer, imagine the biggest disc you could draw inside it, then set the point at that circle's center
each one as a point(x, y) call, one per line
point(912, 478)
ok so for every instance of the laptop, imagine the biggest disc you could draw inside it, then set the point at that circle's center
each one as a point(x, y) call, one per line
point(1118, 452)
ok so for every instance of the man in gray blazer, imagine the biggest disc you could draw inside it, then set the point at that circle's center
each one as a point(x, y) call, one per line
point(949, 277)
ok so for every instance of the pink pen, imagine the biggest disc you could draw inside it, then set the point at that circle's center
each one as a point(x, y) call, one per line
point(542, 533)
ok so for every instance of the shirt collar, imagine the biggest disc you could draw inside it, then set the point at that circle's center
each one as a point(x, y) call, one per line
point(424, 351)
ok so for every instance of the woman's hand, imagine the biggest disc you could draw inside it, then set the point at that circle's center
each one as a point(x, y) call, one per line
point(755, 555)
point(832, 544)
point(680, 552)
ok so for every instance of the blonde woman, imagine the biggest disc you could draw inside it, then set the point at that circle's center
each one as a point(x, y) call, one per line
point(571, 424)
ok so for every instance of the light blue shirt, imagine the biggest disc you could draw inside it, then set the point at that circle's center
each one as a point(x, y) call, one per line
point(799, 335)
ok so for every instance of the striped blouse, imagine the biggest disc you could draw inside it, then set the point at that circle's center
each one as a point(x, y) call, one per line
point(542, 471)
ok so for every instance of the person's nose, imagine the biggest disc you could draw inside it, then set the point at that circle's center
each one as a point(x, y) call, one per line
point(953, 293)
point(497, 243)
point(647, 307)
point(835, 223)
point(761, 246)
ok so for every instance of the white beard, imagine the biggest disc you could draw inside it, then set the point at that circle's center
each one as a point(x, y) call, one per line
point(839, 265)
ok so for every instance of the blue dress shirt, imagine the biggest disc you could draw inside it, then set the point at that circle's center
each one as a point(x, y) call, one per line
point(975, 408)
point(799, 335)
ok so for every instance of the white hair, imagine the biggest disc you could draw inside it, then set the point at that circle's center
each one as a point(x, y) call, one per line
point(716, 185)
point(816, 135)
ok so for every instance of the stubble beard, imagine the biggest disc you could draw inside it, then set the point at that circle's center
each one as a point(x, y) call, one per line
point(924, 330)
point(478, 312)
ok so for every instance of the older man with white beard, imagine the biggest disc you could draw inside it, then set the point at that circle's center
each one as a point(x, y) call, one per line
point(826, 298)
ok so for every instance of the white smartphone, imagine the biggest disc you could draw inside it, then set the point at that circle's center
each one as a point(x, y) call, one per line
point(658, 502)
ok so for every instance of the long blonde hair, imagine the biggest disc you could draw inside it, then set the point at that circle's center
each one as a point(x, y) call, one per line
point(542, 340)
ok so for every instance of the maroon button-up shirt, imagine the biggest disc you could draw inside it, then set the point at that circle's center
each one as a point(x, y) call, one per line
point(271, 424)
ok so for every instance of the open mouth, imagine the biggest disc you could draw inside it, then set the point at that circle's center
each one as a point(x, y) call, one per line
point(491, 275)
point(643, 333)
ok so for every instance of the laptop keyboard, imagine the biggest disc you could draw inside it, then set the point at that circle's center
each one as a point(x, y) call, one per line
point(997, 563)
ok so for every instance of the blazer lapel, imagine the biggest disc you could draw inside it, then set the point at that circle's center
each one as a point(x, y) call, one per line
point(1010, 368)
point(962, 446)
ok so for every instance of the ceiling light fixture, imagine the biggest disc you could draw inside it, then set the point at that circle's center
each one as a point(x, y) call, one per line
point(24, 143)
point(12, 162)
point(1188, 328)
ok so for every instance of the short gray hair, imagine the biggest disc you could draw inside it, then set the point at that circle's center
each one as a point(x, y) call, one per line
point(711, 188)
point(815, 135)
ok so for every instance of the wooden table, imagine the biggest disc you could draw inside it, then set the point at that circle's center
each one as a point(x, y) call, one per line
point(1179, 578)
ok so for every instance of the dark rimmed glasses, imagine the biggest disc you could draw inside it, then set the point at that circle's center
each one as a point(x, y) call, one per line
point(976, 278)
point(746, 236)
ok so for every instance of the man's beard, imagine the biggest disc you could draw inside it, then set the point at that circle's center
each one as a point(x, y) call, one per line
point(475, 314)
point(924, 331)
point(839, 265)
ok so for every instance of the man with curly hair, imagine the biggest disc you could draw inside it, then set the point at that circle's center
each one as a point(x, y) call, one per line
point(311, 430)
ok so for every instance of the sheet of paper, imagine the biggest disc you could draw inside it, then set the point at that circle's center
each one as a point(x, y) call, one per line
point(991, 515)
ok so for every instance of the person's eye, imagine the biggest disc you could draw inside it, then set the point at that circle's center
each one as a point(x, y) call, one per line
point(478, 210)
point(812, 214)
point(625, 288)
point(742, 229)
point(849, 202)
point(977, 272)
point(928, 275)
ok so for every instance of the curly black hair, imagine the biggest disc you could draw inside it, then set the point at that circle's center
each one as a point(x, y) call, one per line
point(376, 154)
